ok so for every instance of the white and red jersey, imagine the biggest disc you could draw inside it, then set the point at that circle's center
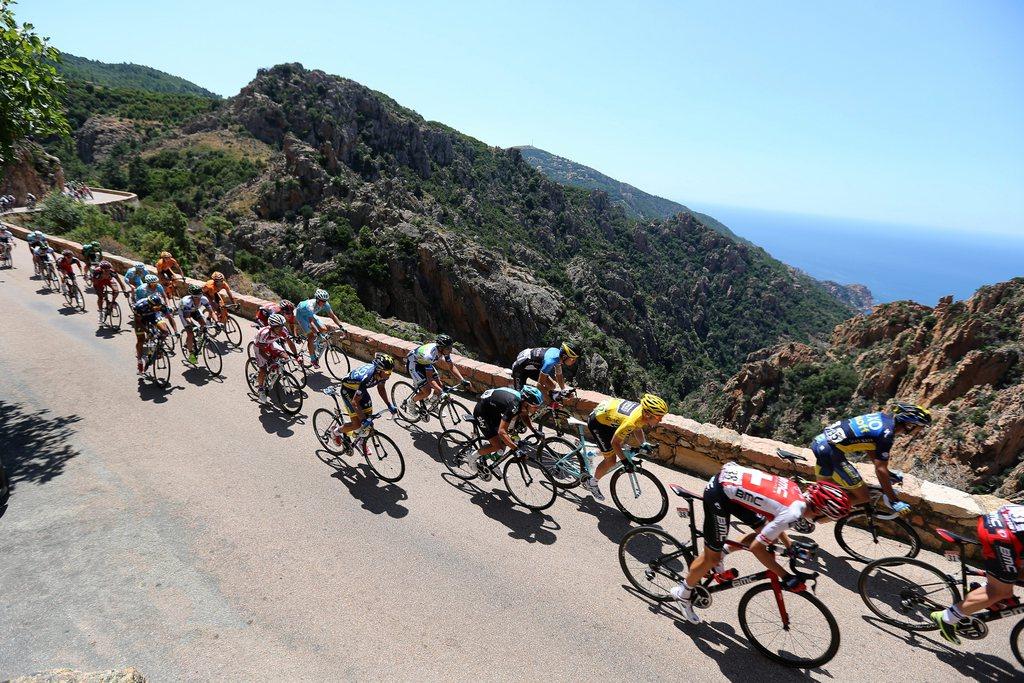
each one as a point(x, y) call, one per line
point(777, 499)
point(268, 336)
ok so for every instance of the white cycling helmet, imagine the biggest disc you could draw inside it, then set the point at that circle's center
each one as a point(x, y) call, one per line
point(151, 278)
point(276, 320)
point(321, 295)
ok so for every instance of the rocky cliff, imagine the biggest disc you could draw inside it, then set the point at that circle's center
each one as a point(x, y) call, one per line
point(964, 359)
point(33, 171)
point(857, 297)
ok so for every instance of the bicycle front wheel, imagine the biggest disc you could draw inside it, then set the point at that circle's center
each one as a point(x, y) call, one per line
point(639, 495)
point(1017, 641)
point(337, 362)
point(384, 457)
point(866, 538)
point(401, 398)
point(455, 449)
point(213, 361)
point(563, 461)
point(529, 483)
point(653, 561)
point(252, 376)
point(452, 413)
point(79, 299)
point(232, 332)
point(160, 369)
point(287, 394)
point(904, 591)
point(325, 424)
point(794, 629)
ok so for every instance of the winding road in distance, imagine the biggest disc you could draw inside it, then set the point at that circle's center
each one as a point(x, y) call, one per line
point(193, 535)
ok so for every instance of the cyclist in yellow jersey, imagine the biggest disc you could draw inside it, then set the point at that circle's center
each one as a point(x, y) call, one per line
point(614, 421)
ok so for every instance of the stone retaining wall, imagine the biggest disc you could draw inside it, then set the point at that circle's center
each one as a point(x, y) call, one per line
point(683, 443)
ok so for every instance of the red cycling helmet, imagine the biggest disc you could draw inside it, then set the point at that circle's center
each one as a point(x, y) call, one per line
point(286, 305)
point(828, 499)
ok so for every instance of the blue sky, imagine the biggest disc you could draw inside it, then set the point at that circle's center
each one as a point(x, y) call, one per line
point(907, 112)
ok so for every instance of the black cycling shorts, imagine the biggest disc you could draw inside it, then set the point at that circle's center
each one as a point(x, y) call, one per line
point(719, 510)
point(602, 433)
point(488, 421)
point(521, 373)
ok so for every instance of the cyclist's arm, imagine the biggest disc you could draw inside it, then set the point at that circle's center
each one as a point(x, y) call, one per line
point(447, 364)
point(884, 480)
point(503, 433)
point(384, 395)
point(766, 557)
point(337, 320)
point(291, 345)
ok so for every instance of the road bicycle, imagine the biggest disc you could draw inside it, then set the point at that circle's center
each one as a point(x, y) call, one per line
point(789, 626)
point(527, 482)
point(636, 492)
point(327, 347)
point(904, 591)
point(873, 530)
point(553, 414)
point(49, 273)
point(444, 406)
point(300, 371)
point(204, 347)
point(227, 324)
point(156, 356)
point(282, 387)
point(110, 311)
point(72, 294)
point(382, 454)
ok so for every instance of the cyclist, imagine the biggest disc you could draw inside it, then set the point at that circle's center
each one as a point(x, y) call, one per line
point(135, 277)
point(34, 240)
point(191, 315)
point(150, 312)
point(355, 392)
point(92, 253)
point(1001, 534)
point(494, 413)
point(614, 421)
point(168, 270)
point(768, 504)
point(104, 276)
point(872, 434)
point(306, 316)
point(66, 266)
point(6, 242)
point(420, 364)
point(285, 308)
point(42, 253)
point(212, 289)
point(151, 286)
point(268, 350)
point(544, 366)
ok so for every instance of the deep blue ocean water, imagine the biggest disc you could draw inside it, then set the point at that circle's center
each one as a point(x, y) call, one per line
point(894, 261)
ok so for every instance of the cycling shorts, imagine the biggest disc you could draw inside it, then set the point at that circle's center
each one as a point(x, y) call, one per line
point(602, 433)
point(520, 374)
point(307, 321)
point(419, 373)
point(1001, 549)
point(488, 420)
point(831, 465)
point(719, 510)
point(365, 402)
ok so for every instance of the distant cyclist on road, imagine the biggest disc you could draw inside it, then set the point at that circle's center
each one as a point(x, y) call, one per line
point(104, 277)
point(1001, 534)
point(421, 362)
point(768, 504)
point(306, 316)
point(355, 392)
point(544, 366)
point(151, 314)
point(268, 349)
point(66, 264)
point(191, 314)
point(870, 434)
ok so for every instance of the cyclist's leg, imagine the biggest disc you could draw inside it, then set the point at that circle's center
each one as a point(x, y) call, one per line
point(603, 437)
point(434, 380)
point(419, 380)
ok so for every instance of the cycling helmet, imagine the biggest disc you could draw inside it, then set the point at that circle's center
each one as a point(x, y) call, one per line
point(321, 295)
point(445, 341)
point(384, 361)
point(151, 278)
point(276, 320)
point(217, 276)
point(105, 265)
point(286, 305)
point(155, 301)
point(570, 350)
point(532, 395)
point(66, 253)
point(163, 254)
point(911, 414)
point(139, 265)
point(654, 405)
point(195, 290)
point(828, 499)
point(40, 235)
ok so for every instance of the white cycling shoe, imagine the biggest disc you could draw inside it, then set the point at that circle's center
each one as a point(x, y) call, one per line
point(685, 606)
point(590, 484)
point(470, 466)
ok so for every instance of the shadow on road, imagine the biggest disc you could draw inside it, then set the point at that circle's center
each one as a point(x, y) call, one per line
point(523, 524)
point(35, 444)
point(106, 332)
point(199, 376)
point(276, 422)
point(376, 496)
point(69, 310)
point(155, 391)
point(610, 522)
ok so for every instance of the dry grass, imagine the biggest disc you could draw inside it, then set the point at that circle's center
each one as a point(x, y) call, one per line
point(232, 144)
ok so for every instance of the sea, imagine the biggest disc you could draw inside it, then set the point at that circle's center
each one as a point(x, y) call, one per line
point(894, 261)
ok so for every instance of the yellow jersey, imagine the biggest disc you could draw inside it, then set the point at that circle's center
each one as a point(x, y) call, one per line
point(621, 414)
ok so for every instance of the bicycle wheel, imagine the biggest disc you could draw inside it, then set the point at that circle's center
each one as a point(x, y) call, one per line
point(653, 561)
point(453, 413)
point(252, 376)
point(639, 495)
point(287, 394)
point(862, 537)
point(300, 371)
point(172, 342)
point(324, 424)
point(79, 300)
point(69, 296)
point(337, 362)
point(160, 369)
point(563, 461)
point(232, 332)
point(904, 591)
point(401, 397)
point(809, 636)
point(529, 483)
point(213, 361)
point(114, 315)
point(250, 349)
point(1017, 641)
point(455, 448)
point(384, 456)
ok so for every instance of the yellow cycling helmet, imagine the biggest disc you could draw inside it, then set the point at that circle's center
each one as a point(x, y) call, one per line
point(570, 350)
point(653, 404)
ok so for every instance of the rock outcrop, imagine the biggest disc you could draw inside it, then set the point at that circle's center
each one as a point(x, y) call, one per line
point(858, 297)
point(100, 135)
point(33, 171)
point(964, 359)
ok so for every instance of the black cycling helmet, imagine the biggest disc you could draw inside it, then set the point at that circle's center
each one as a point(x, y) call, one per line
point(570, 349)
point(195, 290)
point(911, 414)
point(445, 341)
point(155, 301)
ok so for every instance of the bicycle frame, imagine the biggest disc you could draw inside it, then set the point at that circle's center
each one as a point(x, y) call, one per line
point(987, 615)
point(629, 464)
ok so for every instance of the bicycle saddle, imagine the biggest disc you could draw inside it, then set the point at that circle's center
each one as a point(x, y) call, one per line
point(680, 491)
point(950, 537)
point(786, 455)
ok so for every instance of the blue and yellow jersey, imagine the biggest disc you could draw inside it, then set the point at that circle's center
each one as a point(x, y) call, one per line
point(870, 434)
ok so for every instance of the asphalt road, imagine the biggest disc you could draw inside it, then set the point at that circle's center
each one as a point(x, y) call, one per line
point(194, 535)
point(98, 197)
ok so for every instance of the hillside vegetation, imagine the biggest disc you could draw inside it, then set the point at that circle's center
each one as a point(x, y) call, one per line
point(131, 76)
